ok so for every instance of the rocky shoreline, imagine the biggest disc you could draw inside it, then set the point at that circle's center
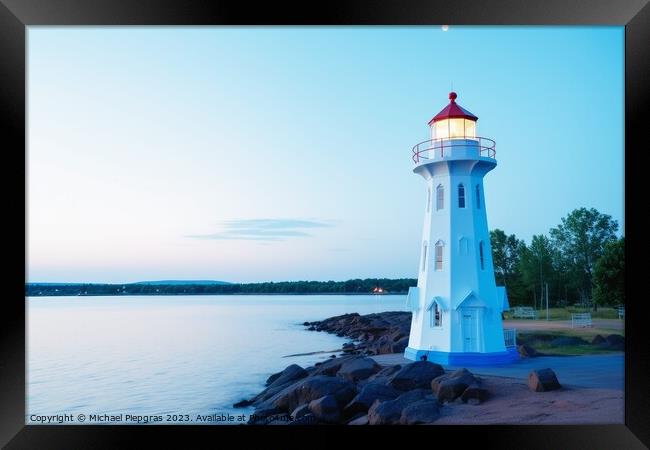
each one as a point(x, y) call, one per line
point(373, 334)
point(354, 389)
point(388, 332)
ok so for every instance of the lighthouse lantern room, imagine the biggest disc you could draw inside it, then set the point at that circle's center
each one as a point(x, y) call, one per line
point(456, 306)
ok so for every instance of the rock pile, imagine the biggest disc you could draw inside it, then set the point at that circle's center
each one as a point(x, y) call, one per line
point(376, 334)
point(355, 390)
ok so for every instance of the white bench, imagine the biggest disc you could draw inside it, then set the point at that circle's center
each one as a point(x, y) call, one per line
point(524, 312)
point(581, 320)
point(621, 312)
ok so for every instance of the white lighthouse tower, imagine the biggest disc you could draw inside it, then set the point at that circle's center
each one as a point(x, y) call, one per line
point(456, 305)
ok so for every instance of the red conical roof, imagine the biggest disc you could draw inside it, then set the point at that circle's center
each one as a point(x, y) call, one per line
point(453, 110)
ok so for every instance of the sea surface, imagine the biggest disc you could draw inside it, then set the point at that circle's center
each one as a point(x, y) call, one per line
point(137, 359)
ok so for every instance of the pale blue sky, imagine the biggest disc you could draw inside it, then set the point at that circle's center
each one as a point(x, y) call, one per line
point(260, 153)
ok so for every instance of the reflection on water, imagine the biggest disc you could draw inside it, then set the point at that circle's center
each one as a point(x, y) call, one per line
point(172, 355)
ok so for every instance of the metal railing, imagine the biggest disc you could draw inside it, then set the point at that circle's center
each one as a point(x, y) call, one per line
point(439, 147)
point(510, 337)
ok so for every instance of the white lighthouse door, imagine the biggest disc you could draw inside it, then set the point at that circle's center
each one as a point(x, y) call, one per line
point(470, 330)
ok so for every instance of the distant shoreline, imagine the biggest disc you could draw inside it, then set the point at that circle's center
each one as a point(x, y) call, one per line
point(216, 294)
point(368, 286)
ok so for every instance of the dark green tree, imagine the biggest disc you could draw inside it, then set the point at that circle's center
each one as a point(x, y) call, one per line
point(505, 255)
point(609, 275)
point(581, 238)
point(536, 266)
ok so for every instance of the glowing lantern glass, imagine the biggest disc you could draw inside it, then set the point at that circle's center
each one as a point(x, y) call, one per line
point(453, 122)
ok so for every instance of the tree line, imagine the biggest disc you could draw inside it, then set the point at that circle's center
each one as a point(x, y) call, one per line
point(356, 286)
point(580, 261)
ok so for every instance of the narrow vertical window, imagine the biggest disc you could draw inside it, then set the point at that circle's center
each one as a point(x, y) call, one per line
point(480, 254)
point(478, 197)
point(439, 255)
point(436, 315)
point(461, 196)
point(424, 256)
point(428, 199)
point(440, 197)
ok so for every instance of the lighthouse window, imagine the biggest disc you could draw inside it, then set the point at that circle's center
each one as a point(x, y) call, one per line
point(461, 196)
point(440, 197)
point(428, 199)
point(480, 252)
point(436, 315)
point(478, 197)
point(424, 256)
point(439, 255)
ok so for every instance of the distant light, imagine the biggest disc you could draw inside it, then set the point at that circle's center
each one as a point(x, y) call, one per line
point(445, 27)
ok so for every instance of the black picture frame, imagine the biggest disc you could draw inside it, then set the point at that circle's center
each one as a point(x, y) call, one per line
point(16, 15)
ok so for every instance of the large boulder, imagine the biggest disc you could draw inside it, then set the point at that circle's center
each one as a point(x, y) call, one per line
point(543, 380)
point(358, 369)
point(385, 373)
point(332, 366)
point(422, 411)
point(416, 375)
point(325, 409)
point(390, 412)
point(367, 396)
point(616, 341)
point(598, 340)
point(314, 387)
point(291, 373)
point(300, 411)
point(450, 386)
point(474, 394)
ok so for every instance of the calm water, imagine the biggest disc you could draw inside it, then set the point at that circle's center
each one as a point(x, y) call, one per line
point(171, 355)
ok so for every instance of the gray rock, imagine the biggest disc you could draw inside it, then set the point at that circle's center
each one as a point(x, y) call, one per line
point(389, 412)
point(325, 409)
point(358, 369)
point(543, 380)
point(332, 366)
point(616, 341)
point(300, 411)
point(475, 394)
point(415, 375)
point(598, 340)
point(450, 386)
point(291, 373)
point(311, 388)
point(367, 396)
point(361, 420)
point(263, 415)
point(422, 411)
point(242, 404)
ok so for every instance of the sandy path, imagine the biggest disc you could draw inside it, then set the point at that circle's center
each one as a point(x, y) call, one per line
point(511, 402)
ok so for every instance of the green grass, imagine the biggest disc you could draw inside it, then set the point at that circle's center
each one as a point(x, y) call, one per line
point(541, 341)
point(570, 350)
point(565, 313)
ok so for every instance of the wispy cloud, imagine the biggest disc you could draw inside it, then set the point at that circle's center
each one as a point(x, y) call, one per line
point(263, 229)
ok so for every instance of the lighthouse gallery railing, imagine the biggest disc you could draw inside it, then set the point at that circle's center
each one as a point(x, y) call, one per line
point(440, 146)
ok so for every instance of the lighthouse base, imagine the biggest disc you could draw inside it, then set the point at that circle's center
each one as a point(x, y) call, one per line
point(463, 359)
